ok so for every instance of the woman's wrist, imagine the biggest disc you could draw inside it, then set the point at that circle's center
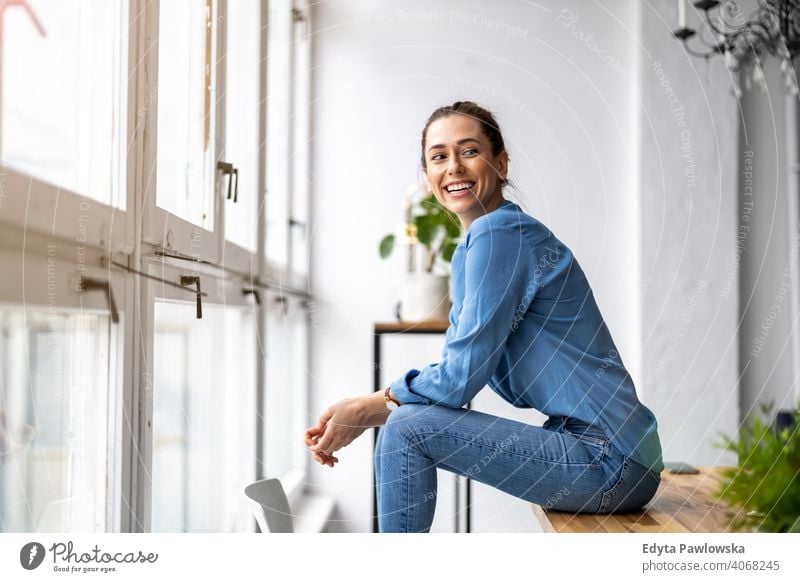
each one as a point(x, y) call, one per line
point(373, 408)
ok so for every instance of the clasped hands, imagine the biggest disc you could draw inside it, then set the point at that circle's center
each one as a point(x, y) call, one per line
point(341, 424)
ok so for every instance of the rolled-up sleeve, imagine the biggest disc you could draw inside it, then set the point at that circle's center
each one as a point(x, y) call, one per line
point(498, 290)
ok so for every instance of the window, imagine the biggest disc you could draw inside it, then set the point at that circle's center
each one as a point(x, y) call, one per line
point(242, 105)
point(286, 387)
point(62, 118)
point(186, 157)
point(120, 140)
point(61, 381)
point(204, 428)
point(286, 318)
point(53, 422)
point(288, 142)
point(64, 128)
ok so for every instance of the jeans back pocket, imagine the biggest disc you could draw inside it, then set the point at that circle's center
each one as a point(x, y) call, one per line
point(596, 448)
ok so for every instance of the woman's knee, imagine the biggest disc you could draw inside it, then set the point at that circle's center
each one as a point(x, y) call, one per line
point(405, 415)
point(402, 423)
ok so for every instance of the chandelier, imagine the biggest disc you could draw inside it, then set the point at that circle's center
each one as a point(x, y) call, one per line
point(773, 28)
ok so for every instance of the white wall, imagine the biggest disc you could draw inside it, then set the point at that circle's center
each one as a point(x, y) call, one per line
point(563, 79)
point(765, 348)
point(688, 190)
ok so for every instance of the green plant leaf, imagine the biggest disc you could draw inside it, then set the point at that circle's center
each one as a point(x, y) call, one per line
point(447, 251)
point(766, 483)
point(426, 229)
point(437, 229)
point(431, 205)
point(387, 245)
point(452, 225)
point(795, 527)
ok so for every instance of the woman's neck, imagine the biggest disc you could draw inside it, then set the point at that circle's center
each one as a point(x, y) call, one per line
point(492, 205)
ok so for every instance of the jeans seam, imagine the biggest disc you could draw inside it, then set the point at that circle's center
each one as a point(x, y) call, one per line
point(603, 449)
point(605, 500)
point(591, 439)
point(405, 515)
point(524, 456)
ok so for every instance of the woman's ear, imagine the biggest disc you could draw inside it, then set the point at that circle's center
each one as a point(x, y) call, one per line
point(501, 163)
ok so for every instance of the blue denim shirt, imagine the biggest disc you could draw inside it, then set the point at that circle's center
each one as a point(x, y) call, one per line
point(525, 322)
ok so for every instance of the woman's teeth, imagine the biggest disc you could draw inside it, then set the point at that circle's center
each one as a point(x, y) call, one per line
point(460, 189)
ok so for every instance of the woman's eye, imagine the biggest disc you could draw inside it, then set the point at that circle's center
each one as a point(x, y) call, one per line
point(470, 152)
point(437, 157)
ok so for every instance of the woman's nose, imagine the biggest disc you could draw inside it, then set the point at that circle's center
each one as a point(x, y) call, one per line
point(454, 165)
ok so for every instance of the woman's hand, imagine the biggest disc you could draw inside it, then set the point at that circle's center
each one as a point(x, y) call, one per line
point(343, 423)
point(312, 435)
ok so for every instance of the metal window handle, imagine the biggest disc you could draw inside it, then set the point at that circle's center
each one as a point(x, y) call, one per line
point(228, 169)
point(236, 188)
point(284, 303)
point(293, 222)
point(95, 284)
point(190, 280)
point(254, 293)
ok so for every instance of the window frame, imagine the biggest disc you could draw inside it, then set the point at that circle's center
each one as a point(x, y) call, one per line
point(126, 246)
point(31, 203)
point(38, 251)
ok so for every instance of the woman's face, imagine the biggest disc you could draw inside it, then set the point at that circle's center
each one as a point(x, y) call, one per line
point(461, 170)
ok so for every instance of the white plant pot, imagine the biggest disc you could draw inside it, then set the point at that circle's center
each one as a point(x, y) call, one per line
point(424, 297)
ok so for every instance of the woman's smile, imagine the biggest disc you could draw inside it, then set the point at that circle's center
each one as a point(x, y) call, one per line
point(463, 173)
point(458, 189)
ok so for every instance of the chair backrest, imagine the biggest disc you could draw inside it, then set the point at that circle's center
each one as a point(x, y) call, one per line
point(272, 511)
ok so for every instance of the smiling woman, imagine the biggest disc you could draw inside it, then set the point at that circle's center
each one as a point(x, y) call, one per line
point(466, 165)
point(525, 322)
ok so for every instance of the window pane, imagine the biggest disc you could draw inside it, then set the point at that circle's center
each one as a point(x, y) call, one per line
point(185, 111)
point(204, 414)
point(64, 95)
point(279, 132)
point(286, 378)
point(300, 157)
point(241, 119)
point(55, 405)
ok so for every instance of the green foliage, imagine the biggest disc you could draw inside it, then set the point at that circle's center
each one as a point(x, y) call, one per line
point(767, 481)
point(435, 227)
point(387, 244)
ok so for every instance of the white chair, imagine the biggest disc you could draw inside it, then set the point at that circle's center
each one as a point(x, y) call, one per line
point(271, 507)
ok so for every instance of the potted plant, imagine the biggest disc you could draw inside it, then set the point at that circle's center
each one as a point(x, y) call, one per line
point(767, 481)
point(435, 231)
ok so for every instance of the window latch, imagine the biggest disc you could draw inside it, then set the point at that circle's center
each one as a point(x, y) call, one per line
point(254, 293)
point(294, 223)
point(187, 280)
point(284, 303)
point(86, 284)
point(233, 174)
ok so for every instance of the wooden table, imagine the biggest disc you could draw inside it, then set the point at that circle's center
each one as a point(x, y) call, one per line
point(682, 504)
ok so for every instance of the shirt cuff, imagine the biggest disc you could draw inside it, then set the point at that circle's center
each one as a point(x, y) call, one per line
point(401, 389)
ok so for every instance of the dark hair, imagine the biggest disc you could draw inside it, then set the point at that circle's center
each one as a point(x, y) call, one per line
point(488, 123)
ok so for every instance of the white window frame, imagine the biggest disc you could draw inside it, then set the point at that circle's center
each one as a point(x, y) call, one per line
point(33, 204)
point(166, 231)
point(123, 242)
point(31, 254)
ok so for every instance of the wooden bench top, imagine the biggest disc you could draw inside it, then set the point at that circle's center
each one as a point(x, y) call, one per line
point(683, 503)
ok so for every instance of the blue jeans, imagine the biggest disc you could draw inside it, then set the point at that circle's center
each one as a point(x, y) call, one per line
point(566, 464)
